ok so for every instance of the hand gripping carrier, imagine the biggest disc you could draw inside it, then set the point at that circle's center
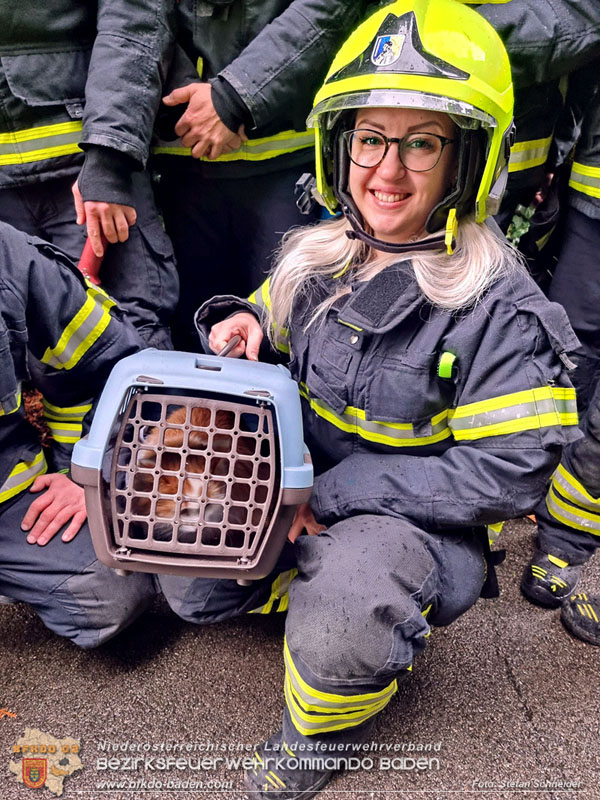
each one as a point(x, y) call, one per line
point(194, 465)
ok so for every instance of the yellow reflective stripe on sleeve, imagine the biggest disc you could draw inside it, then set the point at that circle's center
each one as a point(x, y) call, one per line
point(525, 155)
point(465, 423)
point(284, 603)
point(585, 179)
point(254, 149)
point(281, 340)
point(261, 298)
point(65, 413)
point(65, 432)
point(13, 404)
point(45, 141)
point(543, 407)
point(279, 591)
point(81, 333)
point(65, 422)
point(22, 476)
point(531, 409)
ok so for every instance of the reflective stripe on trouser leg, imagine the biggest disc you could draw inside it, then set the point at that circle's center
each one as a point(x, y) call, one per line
point(569, 502)
point(315, 712)
point(569, 517)
point(343, 655)
point(74, 595)
point(279, 597)
point(22, 476)
point(207, 600)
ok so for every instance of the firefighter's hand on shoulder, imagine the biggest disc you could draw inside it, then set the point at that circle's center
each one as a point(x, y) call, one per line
point(304, 520)
point(111, 219)
point(200, 127)
point(61, 503)
point(244, 325)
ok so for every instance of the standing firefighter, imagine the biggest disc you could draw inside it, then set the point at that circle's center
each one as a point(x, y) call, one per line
point(80, 84)
point(435, 398)
point(244, 77)
point(569, 518)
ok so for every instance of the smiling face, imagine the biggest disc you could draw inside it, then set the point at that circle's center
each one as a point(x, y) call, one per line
point(394, 201)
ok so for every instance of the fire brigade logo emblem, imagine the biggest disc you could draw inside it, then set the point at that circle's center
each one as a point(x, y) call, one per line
point(35, 771)
point(42, 760)
point(387, 49)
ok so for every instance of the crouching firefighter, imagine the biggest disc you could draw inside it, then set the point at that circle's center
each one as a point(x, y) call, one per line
point(64, 336)
point(435, 398)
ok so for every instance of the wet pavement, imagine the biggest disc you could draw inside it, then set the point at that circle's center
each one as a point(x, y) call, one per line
point(503, 704)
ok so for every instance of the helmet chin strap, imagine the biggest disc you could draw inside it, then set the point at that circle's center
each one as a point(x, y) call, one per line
point(437, 242)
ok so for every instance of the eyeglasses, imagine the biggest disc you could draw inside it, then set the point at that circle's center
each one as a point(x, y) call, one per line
point(418, 152)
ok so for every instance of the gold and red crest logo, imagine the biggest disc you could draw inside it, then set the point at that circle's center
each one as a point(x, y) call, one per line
point(35, 771)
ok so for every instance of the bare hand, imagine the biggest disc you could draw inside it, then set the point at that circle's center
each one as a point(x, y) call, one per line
point(304, 520)
point(244, 325)
point(112, 219)
point(542, 192)
point(200, 127)
point(63, 501)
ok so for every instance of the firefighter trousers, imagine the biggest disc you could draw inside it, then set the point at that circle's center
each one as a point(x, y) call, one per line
point(360, 608)
point(576, 286)
point(569, 516)
point(71, 591)
point(225, 232)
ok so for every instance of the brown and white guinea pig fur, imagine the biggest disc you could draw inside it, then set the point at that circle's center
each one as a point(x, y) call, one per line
point(195, 464)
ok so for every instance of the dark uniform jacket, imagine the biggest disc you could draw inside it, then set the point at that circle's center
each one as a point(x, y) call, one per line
point(78, 73)
point(65, 332)
point(579, 127)
point(546, 40)
point(265, 59)
point(446, 419)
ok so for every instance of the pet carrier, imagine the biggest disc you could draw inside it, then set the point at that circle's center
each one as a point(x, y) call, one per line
point(194, 465)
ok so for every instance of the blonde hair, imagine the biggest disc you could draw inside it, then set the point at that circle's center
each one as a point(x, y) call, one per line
point(452, 282)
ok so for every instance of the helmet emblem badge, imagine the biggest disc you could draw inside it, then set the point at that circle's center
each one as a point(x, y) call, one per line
point(387, 49)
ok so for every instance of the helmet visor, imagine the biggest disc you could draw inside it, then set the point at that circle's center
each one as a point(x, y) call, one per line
point(463, 114)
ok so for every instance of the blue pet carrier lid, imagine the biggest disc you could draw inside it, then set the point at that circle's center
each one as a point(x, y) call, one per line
point(246, 380)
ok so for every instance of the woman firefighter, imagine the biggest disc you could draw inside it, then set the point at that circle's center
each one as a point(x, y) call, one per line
point(431, 368)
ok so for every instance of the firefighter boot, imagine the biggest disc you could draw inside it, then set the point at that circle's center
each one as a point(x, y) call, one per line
point(548, 579)
point(281, 773)
point(580, 615)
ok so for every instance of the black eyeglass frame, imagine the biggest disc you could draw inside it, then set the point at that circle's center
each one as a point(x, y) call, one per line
point(347, 135)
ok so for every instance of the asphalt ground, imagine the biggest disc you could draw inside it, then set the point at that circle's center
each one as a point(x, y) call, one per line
point(507, 700)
